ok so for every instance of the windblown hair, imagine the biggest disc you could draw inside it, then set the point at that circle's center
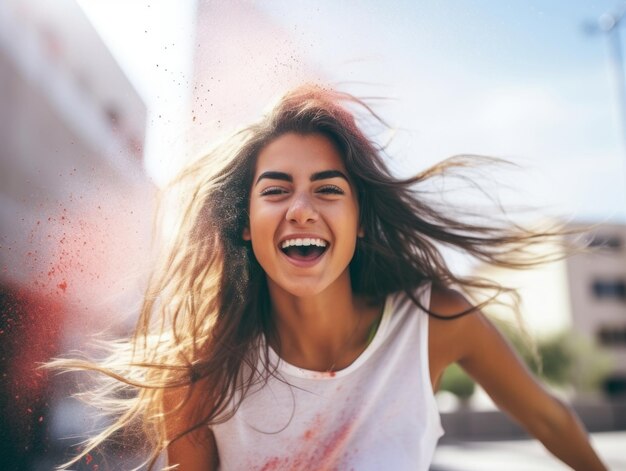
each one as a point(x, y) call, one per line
point(206, 310)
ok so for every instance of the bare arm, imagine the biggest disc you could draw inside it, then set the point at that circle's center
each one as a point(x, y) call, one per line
point(197, 450)
point(481, 350)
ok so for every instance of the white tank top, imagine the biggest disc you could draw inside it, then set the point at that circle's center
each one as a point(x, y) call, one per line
point(378, 413)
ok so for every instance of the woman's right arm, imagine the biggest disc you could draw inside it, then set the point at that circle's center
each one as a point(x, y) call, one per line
point(194, 451)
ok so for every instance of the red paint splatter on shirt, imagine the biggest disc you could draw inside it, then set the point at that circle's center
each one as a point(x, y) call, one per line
point(272, 464)
point(316, 449)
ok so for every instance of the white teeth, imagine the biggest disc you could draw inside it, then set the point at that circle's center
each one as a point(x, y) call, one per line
point(303, 242)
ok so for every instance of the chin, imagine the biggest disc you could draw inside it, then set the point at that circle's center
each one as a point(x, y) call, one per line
point(299, 289)
point(306, 291)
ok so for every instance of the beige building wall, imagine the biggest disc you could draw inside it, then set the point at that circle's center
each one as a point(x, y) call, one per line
point(598, 290)
point(544, 291)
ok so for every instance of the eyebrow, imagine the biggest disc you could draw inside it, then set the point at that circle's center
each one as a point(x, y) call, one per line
point(323, 175)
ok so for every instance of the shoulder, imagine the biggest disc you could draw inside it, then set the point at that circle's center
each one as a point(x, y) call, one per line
point(448, 307)
point(455, 317)
point(451, 319)
point(447, 302)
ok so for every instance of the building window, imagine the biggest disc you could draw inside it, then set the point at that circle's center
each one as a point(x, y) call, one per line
point(612, 335)
point(112, 116)
point(610, 242)
point(610, 289)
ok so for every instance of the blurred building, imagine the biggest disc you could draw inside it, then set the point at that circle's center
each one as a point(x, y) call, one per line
point(584, 293)
point(75, 205)
point(597, 290)
point(242, 61)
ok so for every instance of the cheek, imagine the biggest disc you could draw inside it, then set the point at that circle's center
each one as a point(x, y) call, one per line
point(350, 217)
point(262, 219)
point(263, 224)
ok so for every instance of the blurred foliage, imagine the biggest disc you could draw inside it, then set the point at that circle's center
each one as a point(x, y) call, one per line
point(458, 382)
point(565, 360)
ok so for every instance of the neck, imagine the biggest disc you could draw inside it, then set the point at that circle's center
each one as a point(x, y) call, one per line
point(327, 331)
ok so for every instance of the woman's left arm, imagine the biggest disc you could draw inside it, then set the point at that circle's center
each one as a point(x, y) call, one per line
point(489, 359)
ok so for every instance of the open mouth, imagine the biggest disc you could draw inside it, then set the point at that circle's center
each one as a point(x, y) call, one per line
point(304, 249)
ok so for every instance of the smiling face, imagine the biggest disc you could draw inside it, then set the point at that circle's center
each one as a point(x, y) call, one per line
point(303, 215)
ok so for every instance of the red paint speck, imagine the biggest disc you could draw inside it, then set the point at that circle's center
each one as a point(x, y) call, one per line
point(62, 286)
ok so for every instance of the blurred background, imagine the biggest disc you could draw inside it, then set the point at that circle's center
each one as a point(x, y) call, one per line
point(101, 103)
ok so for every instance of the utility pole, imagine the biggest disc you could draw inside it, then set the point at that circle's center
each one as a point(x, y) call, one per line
point(608, 24)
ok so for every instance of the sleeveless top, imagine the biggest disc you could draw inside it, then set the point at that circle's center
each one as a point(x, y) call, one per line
point(378, 413)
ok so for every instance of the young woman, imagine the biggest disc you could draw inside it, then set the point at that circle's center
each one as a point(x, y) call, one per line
point(304, 315)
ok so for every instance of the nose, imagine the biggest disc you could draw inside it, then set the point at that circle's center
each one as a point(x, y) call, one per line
point(302, 210)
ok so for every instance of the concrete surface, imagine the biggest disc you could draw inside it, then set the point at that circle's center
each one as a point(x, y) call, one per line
point(522, 455)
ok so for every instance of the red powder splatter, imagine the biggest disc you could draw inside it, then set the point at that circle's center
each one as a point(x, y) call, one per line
point(317, 451)
point(62, 285)
point(32, 325)
point(272, 464)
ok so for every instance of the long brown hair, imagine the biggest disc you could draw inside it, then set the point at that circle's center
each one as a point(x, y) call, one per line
point(206, 309)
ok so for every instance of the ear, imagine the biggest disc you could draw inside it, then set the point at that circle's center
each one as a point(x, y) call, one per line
point(246, 233)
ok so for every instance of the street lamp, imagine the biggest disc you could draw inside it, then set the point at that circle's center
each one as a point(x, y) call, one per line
point(608, 24)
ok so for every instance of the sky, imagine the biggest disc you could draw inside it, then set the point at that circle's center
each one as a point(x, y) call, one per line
point(525, 81)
